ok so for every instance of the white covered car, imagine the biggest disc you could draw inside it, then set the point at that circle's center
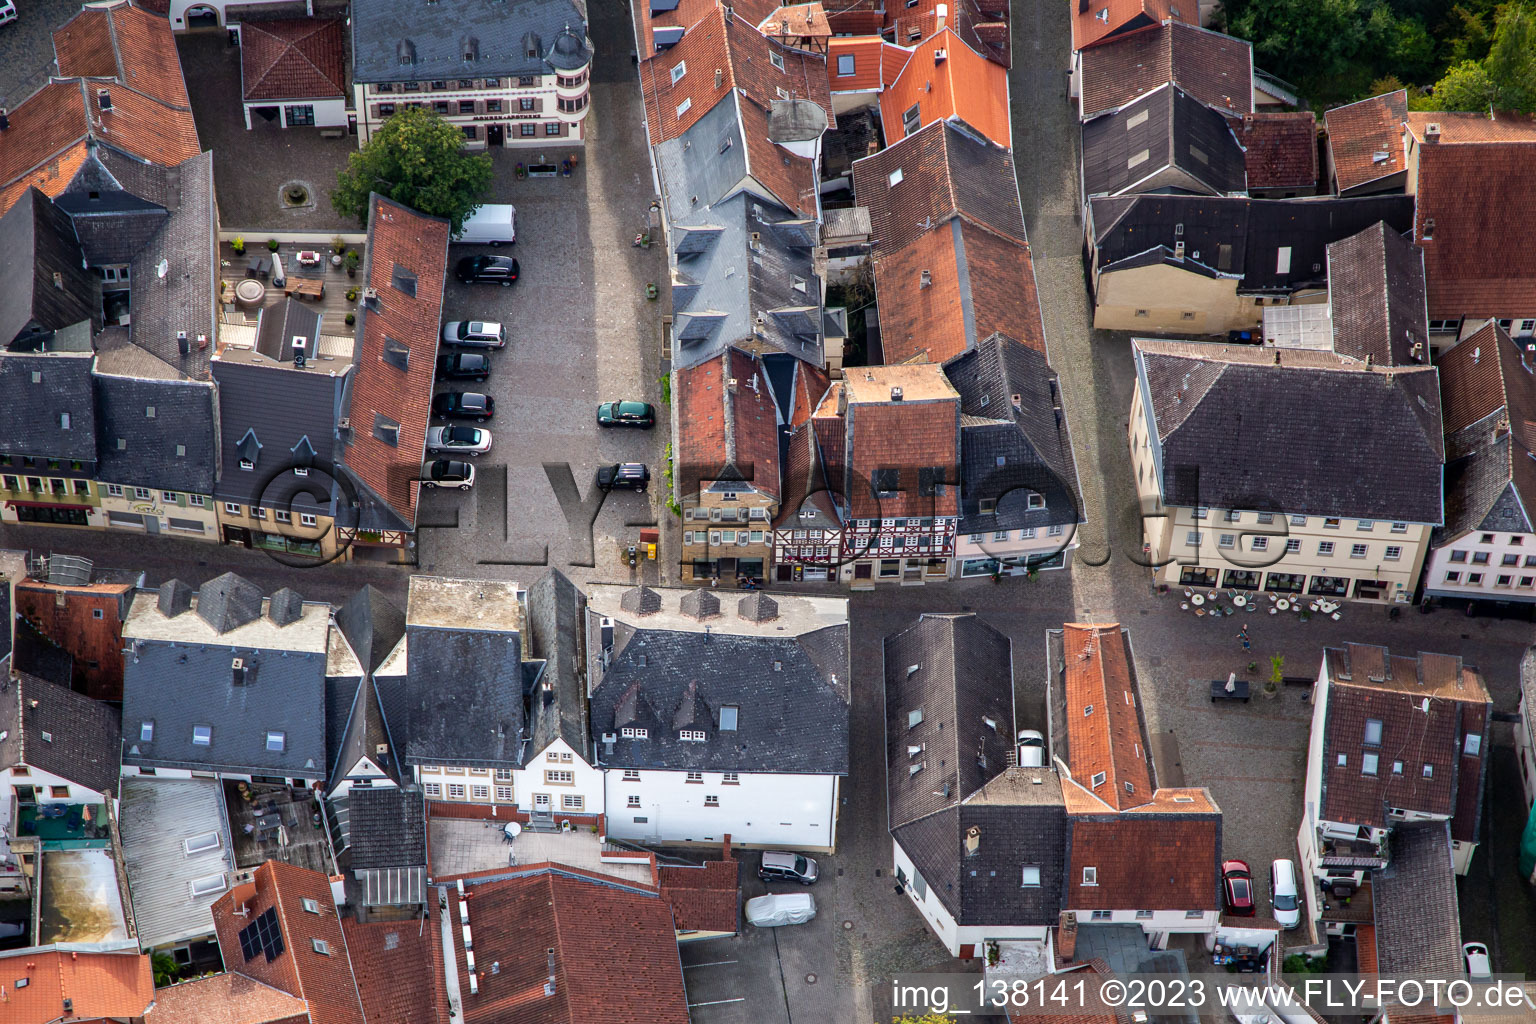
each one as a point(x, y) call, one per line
point(458, 440)
point(781, 908)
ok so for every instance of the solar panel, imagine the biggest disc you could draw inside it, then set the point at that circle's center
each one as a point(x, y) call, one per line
point(250, 945)
point(270, 935)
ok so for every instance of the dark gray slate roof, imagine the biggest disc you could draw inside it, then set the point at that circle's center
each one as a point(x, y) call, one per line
point(396, 40)
point(1418, 927)
point(38, 655)
point(37, 242)
point(54, 729)
point(1239, 237)
point(388, 827)
point(461, 700)
point(1177, 133)
point(1009, 449)
point(372, 625)
point(954, 673)
point(39, 390)
point(179, 686)
point(1376, 293)
point(557, 707)
point(175, 597)
point(173, 450)
point(1239, 432)
point(117, 203)
point(287, 411)
point(792, 693)
point(228, 602)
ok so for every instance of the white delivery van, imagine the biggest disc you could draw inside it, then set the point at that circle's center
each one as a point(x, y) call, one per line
point(7, 11)
point(780, 909)
point(492, 224)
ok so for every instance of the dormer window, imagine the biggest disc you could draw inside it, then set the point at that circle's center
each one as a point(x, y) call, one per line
point(692, 735)
point(631, 732)
point(146, 732)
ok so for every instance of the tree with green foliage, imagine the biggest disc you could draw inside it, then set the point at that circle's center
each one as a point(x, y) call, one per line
point(1505, 79)
point(416, 159)
point(164, 968)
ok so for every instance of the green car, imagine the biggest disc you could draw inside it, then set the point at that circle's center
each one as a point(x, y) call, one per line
point(626, 414)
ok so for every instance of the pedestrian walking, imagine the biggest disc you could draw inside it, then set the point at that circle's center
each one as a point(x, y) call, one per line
point(1242, 635)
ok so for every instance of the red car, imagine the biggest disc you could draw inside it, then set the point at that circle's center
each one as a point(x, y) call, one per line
point(1237, 888)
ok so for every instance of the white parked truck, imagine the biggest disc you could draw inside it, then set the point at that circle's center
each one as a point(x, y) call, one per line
point(491, 224)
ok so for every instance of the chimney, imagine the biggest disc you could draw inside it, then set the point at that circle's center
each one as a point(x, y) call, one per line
point(237, 672)
point(719, 77)
point(1178, 250)
point(972, 841)
point(1066, 935)
point(5, 122)
point(895, 394)
point(183, 345)
point(1432, 131)
point(58, 280)
point(725, 848)
point(925, 279)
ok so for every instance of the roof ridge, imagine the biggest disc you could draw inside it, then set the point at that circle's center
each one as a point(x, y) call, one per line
point(561, 991)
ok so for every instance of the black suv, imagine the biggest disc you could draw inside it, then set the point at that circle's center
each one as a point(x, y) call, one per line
point(500, 270)
point(625, 476)
point(464, 405)
point(464, 365)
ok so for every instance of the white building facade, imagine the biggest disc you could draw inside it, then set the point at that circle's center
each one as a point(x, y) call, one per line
point(753, 808)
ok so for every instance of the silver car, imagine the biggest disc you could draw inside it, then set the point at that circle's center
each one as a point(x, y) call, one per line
point(458, 440)
point(474, 334)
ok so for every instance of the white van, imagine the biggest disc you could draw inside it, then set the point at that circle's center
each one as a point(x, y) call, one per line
point(780, 909)
point(1031, 748)
point(7, 11)
point(491, 224)
point(1284, 894)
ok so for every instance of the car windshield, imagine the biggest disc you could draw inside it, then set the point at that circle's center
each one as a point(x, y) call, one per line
point(462, 435)
point(801, 865)
point(1285, 902)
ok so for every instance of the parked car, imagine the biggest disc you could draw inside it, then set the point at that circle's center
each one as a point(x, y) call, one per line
point(787, 867)
point(474, 334)
point(11, 929)
point(1283, 893)
point(1237, 888)
point(448, 473)
point(500, 270)
point(780, 908)
point(464, 405)
point(7, 12)
point(464, 365)
point(458, 440)
point(1479, 966)
point(625, 476)
point(1031, 748)
point(626, 414)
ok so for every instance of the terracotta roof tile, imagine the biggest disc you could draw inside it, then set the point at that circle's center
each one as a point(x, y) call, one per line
point(1365, 947)
point(225, 999)
point(1472, 184)
point(727, 431)
point(614, 960)
point(297, 59)
point(99, 985)
point(704, 899)
point(1144, 861)
point(134, 46)
point(876, 63)
point(963, 85)
point(918, 437)
point(1096, 20)
point(396, 974)
point(1281, 149)
point(1105, 732)
point(983, 24)
point(417, 245)
point(1215, 69)
point(1358, 131)
point(788, 177)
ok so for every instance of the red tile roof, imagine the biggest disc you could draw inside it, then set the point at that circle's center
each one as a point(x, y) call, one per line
point(1473, 183)
point(1357, 132)
point(225, 999)
point(1280, 149)
point(399, 969)
point(614, 954)
point(983, 24)
point(323, 980)
point(704, 899)
point(134, 46)
point(1365, 947)
point(727, 431)
point(98, 984)
point(917, 436)
point(293, 59)
point(963, 85)
point(1095, 20)
point(1144, 862)
point(1105, 731)
point(876, 63)
point(1215, 69)
point(398, 237)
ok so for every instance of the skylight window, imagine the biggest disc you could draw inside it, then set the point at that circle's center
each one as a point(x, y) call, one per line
point(202, 735)
point(729, 715)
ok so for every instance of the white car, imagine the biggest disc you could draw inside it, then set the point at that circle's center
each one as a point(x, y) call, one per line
point(7, 12)
point(1283, 893)
point(458, 440)
point(1479, 966)
point(780, 909)
point(474, 334)
point(1031, 748)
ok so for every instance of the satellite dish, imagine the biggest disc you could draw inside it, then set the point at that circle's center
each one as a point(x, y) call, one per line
point(162, 268)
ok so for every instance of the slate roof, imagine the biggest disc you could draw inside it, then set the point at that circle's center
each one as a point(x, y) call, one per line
point(1418, 927)
point(1215, 69)
point(557, 709)
point(1237, 237)
point(1030, 437)
point(388, 827)
point(1473, 182)
point(371, 627)
point(289, 413)
point(1279, 430)
point(730, 430)
point(1489, 403)
point(37, 242)
point(460, 701)
point(963, 85)
point(399, 969)
point(624, 969)
point(54, 729)
point(1368, 684)
point(520, 37)
point(1187, 146)
point(1358, 131)
point(293, 59)
point(380, 394)
point(1376, 298)
point(372, 624)
point(175, 449)
point(792, 693)
point(1280, 149)
point(40, 389)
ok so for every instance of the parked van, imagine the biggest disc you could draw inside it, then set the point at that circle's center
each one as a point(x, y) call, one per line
point(7, 11)
point(780, 909)
point(492, 224)
point(1031, 748)
point(1284, 894)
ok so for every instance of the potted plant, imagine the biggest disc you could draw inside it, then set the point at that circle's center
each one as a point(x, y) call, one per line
point(351, 319)
point(338, 245)
point(238, 244)
point(351, 294)
point(271, 245)
point(352, 260)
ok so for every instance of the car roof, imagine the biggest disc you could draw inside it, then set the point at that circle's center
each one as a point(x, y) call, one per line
point(776, 859)
point(637, 407)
